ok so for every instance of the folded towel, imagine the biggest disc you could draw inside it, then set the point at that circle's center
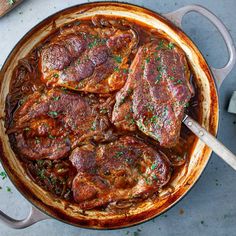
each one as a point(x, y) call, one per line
point(232, 103)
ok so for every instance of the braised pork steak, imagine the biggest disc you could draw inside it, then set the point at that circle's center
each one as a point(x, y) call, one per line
point(156, 93)
point(121, 170)
point(85, 58)
point(49, 124)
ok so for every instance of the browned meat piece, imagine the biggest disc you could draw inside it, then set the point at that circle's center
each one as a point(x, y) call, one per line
point(88, 59)
point(123, 170)
point(49, 125)
point(156, 93)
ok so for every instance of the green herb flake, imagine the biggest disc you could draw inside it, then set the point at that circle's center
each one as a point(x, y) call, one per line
point(122, 100)
point(179, 81)
point(132, 121)
point(160, 45)
point(37, 141)
point(93, 127)
point(40, 162)
point(147, 60)
point(171, 78)
point(118, 59)
point(129, 92)
point(158, 79)
point(154, 119)
point(55, 75)
point(125, 71)
point(8, 189)
point(11, 2)
point(186, 104)
point(103, 110)
point(116, 69)
point(93, 44)
point(118, 154)
point(41, 174)
point(53, 114)
point(153, 166)
point(51, 137)
point(171, 45)
point(3, 175)
point(56, 98)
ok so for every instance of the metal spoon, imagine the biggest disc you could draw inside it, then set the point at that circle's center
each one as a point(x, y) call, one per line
point(211, 141)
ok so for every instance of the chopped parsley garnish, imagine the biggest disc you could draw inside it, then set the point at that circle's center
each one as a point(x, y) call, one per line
point(93, 127)
point(93, 44)
point(56, 98)
point(186, 104)
point(170, 45)
point(118, 59)
point(55, 75)
point(37, 141)
point(179, 81)
point(118, 154)
point(132, 121)
point(160, 68)
point(11, 2)
point(172, 78)
point(51, 137)
point(40, 162)
point(147, 59)
point(116, 69)
point(157, 59)
point(158, 79)
point(122, 100)
point(129, 91)
point(154, 119)
point(103, 110)
point(53, 114)
point(125, 71)
point(3, 175)
point(153, 166)
point(160, 45)
point(149, 107)
point(41, 174)
point(8, 189)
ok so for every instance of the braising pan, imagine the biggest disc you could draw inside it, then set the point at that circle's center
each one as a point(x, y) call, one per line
point(207, 78)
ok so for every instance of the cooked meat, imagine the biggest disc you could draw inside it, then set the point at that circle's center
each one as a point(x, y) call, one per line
point(121, 170)
point(88, 58)
point(156, 93)
point(50, 124)
point(87, 107)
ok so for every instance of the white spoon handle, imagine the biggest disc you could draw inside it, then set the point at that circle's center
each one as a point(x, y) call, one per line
point(211, 141)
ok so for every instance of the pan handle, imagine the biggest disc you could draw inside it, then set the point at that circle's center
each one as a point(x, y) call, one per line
point(34, 216)
point(177, 16)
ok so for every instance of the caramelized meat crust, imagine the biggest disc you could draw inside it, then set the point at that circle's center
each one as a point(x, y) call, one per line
point(49, 124)
point(119, 171)
point(86, 58)
point(156, 93)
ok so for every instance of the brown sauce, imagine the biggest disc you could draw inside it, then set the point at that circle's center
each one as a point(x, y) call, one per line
point(56, 176)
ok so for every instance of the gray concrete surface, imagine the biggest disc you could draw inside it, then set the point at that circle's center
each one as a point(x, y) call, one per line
point(210, 207)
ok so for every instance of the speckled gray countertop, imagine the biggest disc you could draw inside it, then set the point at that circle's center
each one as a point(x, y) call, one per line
point(210, 207)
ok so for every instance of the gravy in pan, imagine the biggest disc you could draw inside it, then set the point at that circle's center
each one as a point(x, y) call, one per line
point(60, 114)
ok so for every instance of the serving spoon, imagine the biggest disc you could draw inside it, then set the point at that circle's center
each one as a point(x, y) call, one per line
point(216, 146)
